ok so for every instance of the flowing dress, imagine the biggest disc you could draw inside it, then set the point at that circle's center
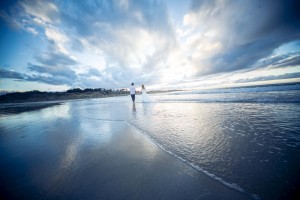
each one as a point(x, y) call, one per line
point(145, 96)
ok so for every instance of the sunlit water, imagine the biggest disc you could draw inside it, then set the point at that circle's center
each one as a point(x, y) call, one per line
point(252, 147)
point(247, 139)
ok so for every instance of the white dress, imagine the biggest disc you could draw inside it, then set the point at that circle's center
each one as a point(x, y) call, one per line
point(145, 96)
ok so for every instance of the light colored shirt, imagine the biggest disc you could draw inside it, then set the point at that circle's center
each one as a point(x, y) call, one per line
point(132, 90)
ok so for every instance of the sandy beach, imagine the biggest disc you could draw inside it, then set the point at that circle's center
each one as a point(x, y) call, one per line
point(60, 153)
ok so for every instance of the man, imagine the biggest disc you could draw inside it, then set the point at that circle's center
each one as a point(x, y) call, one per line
point(132, 92)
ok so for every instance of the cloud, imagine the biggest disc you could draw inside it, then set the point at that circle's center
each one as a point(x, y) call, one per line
point(285, 60)
point(135, 41)
point(58, 39)
point(56, 78)
point(11, 74)
point(54, 71)
point(271, 77)
point(55, 59)
point(29, 14)
point(52, 80)
point(245, 31)
point(43, 11)
point(133, 37)
point(113, 43)
point(151, 15)
point(32, 30)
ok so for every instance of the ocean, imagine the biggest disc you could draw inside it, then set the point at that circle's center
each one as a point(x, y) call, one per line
point(246, 138)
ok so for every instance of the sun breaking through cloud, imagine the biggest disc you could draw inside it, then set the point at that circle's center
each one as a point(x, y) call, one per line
point(63, 44)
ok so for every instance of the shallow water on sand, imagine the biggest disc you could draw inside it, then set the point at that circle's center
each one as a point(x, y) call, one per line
point(83, 150)
point(250, 147)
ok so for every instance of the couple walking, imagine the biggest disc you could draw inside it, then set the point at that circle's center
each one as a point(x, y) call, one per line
point(145, 97)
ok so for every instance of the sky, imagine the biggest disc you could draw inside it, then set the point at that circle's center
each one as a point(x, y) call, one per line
point(164, 44)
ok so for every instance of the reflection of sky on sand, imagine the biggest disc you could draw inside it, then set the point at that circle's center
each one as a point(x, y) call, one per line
point(219, 138)
point(102, 110)
point(100, 133)
point(89, 134)
point(95, 122)
point(27, 119)
point(70, 155)
point(60, 111)
point(149, 148)
point(67, 138)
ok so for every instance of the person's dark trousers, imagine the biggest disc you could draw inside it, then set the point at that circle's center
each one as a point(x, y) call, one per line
point(133, 97)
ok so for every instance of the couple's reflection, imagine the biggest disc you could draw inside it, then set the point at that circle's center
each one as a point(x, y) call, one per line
point(133, 110)
point(146, 110)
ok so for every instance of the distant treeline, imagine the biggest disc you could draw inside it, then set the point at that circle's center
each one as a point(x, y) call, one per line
point(77, 93)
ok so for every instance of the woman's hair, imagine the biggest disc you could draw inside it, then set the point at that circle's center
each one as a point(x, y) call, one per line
point(143, 87)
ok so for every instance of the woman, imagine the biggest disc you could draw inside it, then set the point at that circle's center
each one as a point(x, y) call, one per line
point(145, 96)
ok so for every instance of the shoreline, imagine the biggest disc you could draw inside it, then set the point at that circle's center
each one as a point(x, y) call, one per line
point(80, 158)
point(232, 186)
point(58, 153)
point(38, 96)
point(36, 99)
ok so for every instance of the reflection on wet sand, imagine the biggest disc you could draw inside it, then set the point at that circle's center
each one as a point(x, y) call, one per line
point(16, 108)
point(133, 111)
point(75, 152)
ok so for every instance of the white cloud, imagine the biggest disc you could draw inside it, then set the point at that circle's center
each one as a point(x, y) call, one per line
point(38, 21)
point(55, 35)
point(114, 42)
point(190, 19)
point(32, 30)
point(60, 40)
point(45, 11)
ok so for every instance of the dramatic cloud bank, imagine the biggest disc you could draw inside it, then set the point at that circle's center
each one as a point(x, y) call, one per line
point(112, 43)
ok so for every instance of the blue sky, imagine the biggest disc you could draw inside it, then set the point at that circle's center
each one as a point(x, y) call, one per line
point(56, 45)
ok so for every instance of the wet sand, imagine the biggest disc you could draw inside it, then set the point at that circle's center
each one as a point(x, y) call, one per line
point(53, 153)
point(15, 108)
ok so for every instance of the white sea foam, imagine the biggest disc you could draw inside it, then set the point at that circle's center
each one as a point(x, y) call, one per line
point(263, 88)
point(259, 94)
point(220, 180)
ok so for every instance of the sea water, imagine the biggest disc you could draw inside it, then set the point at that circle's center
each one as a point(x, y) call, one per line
point(246, 138)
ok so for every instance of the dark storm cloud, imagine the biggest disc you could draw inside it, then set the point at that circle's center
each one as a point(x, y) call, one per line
point(272, 77)
point(62, 71)
point(11, 74)
point(52, 79)
point(286, 60)
point(240, 57)
point(252, 30)
point(55, 58)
